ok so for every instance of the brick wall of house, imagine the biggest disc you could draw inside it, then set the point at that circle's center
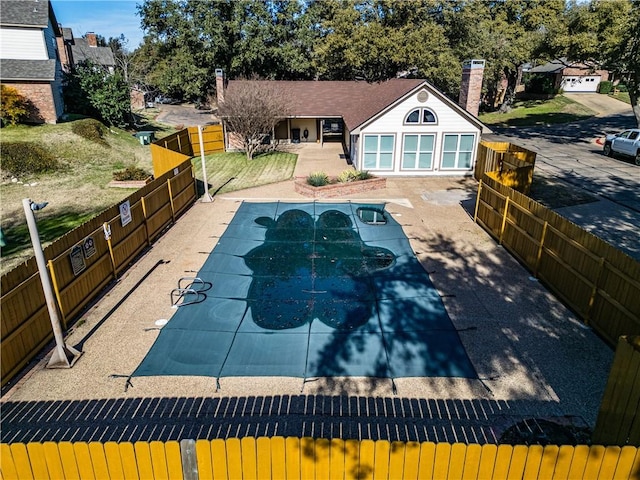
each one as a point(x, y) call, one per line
point(41, 97)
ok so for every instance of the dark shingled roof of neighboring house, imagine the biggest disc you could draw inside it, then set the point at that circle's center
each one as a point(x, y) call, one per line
point(33, 70)
point(81, 51)
point(354, 101)
point(26, 13)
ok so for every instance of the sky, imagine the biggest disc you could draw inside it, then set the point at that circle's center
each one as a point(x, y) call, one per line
point(108, 18)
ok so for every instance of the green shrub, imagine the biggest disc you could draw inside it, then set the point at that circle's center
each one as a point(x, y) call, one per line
point(14, 106)
point(318, 179)
point(622, 88)
point(605, 87)
point(348, 176)
point(131, 173)
point(22, 158)
point(364, 175)
point(90, 129)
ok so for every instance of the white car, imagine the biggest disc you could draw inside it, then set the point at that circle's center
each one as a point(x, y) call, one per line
point(625, 143)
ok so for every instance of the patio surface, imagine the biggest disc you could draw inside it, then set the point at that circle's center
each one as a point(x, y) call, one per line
point(533, 357)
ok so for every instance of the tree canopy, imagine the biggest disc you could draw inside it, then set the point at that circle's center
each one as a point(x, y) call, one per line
point(373, 40)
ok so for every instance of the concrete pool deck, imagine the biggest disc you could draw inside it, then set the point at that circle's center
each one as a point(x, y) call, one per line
point(534, 358)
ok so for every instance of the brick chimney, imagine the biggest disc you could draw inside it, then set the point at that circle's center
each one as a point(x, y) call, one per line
point(92, 40)
point(219, 85)
point(471, 86)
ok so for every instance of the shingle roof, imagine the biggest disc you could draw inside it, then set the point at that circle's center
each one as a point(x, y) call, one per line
point(67, 33)
point(356, 102)
point(42, 70)
point(81, 51)
point(24, 12)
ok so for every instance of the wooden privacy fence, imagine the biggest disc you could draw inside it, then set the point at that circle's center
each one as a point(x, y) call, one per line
point(83, 262)
point(618, 420)
point(599, 282)
point(509, 164)
point(178, 147)
point(305, 458)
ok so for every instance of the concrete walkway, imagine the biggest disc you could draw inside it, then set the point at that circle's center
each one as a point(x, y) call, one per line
point(313, 157)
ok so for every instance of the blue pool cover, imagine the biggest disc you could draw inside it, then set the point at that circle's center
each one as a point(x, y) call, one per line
point(311, 290)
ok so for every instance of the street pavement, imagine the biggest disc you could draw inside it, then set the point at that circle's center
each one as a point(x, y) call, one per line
point(571, 154)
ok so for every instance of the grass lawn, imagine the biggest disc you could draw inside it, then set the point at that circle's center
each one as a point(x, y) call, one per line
point(539, 112)
point(230, 171)
point(79, 190)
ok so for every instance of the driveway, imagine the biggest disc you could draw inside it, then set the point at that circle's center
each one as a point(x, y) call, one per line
point(570, 156)
point(185, 114)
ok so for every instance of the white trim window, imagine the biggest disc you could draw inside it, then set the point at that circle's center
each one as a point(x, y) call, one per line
point(377, 152)
point(457, 151)
point(421, 116)
point(417, 152)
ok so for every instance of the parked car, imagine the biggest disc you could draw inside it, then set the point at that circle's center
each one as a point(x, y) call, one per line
point(167, 100)
point(625, 143)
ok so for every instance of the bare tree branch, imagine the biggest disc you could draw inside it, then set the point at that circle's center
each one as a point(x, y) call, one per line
point(251, 110)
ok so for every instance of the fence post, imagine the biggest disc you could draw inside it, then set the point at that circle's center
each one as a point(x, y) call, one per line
point(173, 208)
point(594, 291)
point(146, 223)
point(56, 290)
point(540, 248)
point(107, 235)
point(475, 214)
point(504, 219)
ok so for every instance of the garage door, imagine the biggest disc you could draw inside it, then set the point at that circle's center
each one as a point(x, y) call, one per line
point(588, 83)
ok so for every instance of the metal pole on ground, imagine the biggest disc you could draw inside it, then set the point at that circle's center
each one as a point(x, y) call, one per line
point(64, 356)
point(206, 197)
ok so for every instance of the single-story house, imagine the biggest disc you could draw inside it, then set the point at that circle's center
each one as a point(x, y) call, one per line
point(572, 76)
point(395, 127)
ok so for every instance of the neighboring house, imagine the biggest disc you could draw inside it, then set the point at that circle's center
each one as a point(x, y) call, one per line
point(572, 76)
point(29, 58)
point(78, 50)
point(396, 127)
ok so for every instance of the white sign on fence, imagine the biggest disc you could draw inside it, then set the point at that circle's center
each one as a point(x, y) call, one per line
point(125, 213)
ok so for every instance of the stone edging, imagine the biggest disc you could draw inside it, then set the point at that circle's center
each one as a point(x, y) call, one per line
point(339, 189)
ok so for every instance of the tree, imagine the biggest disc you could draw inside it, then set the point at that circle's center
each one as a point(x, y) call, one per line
point(91, 90)
point(251, 110)
point(603, 34)
point(189, 40)
point(14, 107)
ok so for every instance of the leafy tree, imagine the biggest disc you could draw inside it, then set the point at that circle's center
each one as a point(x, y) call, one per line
point(14, 107)
point(251, 110)
point(275, 40)
point(92, 91)
point(188, 40)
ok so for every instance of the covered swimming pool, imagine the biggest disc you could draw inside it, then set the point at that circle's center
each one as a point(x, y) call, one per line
point(311, 290)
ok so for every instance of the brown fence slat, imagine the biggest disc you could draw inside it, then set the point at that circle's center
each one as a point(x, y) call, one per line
point(567, 258)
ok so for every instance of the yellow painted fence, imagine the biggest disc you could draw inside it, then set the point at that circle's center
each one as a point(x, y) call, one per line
point(82, 263)
point(618, 420)
point(170, 151)
point(306, 458)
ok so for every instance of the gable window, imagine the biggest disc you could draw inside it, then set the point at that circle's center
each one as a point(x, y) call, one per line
point(378, 152)
point(417, 152)
point(421, 115)
point(457, 150)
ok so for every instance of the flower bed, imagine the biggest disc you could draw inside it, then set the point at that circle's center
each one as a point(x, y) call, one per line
point(338, 189)
point(130, 183)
